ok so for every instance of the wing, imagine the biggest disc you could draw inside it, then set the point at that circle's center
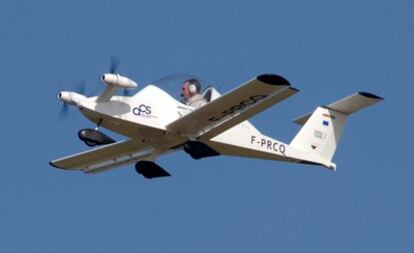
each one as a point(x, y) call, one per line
point(107, 157)
point(234, 107)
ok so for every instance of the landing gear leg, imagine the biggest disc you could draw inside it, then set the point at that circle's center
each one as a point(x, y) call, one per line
point(98, 125)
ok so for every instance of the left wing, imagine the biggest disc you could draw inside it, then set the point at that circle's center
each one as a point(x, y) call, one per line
point(107, 157)
point(234, 107)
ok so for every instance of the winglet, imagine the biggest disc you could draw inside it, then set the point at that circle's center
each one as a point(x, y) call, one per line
point(54, 165)
point(273, 79)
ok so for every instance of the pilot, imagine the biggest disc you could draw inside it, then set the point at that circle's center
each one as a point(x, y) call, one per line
point(191, 93)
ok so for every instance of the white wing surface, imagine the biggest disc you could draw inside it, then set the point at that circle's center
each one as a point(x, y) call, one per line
point(107, 157)
point(234, 107)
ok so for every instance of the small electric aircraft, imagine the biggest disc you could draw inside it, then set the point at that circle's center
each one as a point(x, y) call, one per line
point(156, 123)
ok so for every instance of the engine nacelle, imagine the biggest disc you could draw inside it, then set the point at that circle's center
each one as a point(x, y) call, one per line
point(70, 97)
point(118, 81)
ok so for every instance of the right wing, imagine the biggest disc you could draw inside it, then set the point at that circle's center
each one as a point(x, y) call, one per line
point(234, 107)
point(107, 157)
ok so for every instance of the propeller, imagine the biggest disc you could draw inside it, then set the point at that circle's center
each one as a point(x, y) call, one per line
point(126, 92)
point(64, 110)
point(81, 87)
point(113, 64)
point(113, 67)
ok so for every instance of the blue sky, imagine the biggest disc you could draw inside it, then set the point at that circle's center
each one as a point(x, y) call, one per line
point(327, 49)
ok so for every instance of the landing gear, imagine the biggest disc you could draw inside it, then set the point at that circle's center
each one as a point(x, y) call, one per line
point(198, 150)
point(150, 170)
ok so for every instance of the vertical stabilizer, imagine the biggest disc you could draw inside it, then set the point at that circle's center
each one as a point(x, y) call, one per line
point(323, 128)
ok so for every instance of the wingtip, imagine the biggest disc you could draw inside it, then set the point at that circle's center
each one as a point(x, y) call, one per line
point(370, 95)
point(273, 79)
point(295, 89)
point(54, 165)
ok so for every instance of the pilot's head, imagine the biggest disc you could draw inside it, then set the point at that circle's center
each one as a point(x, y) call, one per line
point(190, 88)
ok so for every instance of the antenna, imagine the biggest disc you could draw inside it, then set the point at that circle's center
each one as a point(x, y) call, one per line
point(233, 74)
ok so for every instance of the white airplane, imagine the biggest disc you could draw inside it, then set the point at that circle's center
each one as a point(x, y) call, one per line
point(156, 123)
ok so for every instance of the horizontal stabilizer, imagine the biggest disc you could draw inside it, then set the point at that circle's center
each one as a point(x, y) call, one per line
point(347, 105)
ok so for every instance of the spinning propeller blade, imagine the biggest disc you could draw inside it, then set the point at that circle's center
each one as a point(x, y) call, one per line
point(81, 87)
point(113, 67)
point(126, 92)
point(114, 63)
point(64, 112)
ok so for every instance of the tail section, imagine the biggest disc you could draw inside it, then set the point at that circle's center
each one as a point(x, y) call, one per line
point(321, 132)
point(322, 129)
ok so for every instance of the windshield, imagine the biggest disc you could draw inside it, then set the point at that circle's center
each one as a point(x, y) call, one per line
point(172, 84)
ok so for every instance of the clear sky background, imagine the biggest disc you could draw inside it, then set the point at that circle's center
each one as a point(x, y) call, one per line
point(327, 49)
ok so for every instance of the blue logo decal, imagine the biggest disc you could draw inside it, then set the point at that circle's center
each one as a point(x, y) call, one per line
point(142, 110)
